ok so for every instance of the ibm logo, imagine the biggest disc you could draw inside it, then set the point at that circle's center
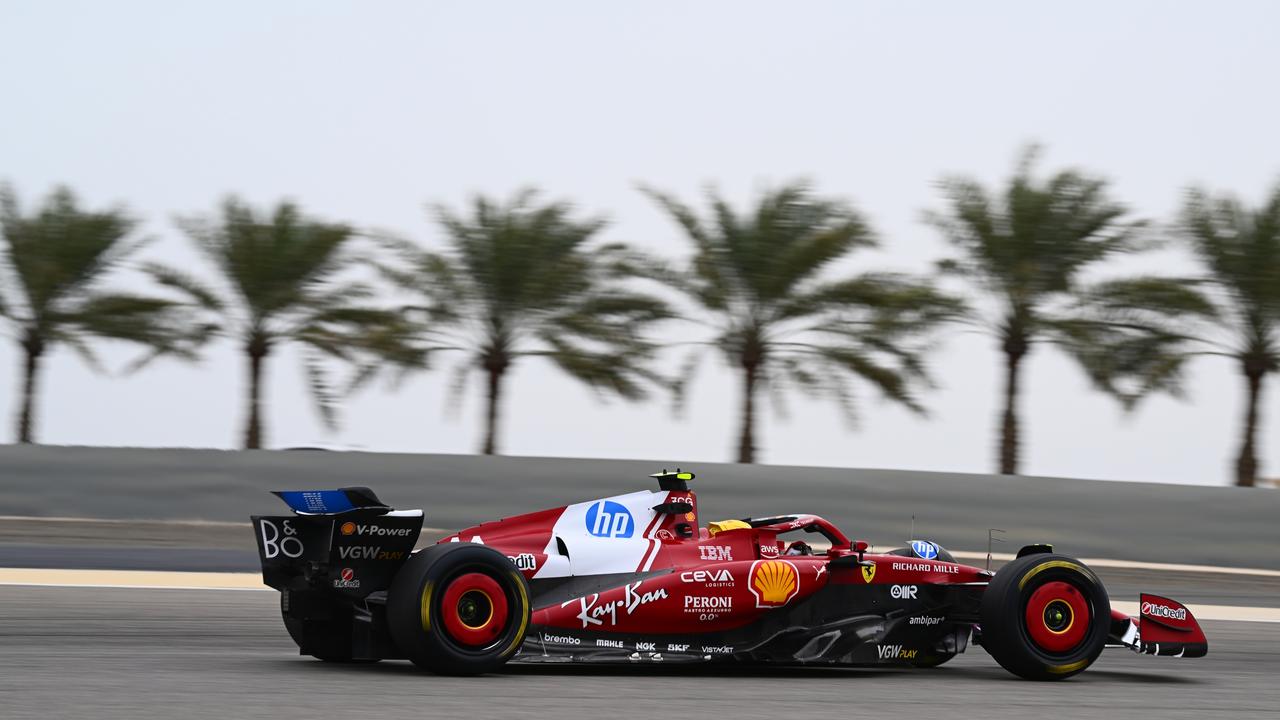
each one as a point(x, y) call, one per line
point(607, 518)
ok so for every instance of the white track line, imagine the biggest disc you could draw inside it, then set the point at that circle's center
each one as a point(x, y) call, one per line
point(119, 521)
point(1212, 612)
point(135, 579)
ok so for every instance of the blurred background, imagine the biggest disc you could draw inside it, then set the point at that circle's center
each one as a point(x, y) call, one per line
point(392, 118)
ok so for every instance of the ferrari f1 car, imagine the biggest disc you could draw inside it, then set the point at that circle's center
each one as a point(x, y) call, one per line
point(634, 578)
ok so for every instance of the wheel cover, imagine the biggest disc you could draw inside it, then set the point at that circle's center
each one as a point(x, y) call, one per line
point(474, 610)
point(1057, 617)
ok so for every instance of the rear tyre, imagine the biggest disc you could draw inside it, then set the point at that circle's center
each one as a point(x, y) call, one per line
point(1045, 617)
point(458, 609)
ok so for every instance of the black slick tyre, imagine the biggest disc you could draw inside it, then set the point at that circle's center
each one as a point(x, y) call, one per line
point(458, 609)
point(1045, 617)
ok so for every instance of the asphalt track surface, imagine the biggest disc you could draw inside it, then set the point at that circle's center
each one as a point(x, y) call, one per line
point(114, 653)
point(68, 652)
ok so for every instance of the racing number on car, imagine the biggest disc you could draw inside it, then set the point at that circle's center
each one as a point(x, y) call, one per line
point(275, 543)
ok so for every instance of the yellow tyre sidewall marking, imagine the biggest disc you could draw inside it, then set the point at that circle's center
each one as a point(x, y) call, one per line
point(1050, 565)
point(1064, 669)
point(426, 607)
point(524, 615)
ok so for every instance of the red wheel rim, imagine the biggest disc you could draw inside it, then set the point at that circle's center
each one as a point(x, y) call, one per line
point(1057, 617)
point(474, 610)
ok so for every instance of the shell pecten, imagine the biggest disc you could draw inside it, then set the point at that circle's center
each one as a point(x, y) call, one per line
point(773, 582)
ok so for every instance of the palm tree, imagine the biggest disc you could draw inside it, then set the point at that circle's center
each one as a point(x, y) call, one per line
point(1240, 250)
point(282, 274)
point(523, 279)
point(52, 271)
point(758, 278)
point(1027, 251)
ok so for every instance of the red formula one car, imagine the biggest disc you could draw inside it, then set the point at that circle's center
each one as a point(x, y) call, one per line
point(634, 578)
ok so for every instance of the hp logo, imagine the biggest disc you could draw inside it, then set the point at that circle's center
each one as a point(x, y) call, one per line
point(924, 549)
point(609, 519)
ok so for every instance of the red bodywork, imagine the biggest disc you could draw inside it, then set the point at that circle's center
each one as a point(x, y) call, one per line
point(672, 576)
point(717, 581)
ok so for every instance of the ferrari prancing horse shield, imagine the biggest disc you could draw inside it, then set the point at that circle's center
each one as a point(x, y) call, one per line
point(868, 572)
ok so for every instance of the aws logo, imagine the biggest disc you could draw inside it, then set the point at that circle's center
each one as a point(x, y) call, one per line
point(773, 582)
point(607, 518)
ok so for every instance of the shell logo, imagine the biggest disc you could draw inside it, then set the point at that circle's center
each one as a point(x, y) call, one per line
point(347, 528)
point(773, 582)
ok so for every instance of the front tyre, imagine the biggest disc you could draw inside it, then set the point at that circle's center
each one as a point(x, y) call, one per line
point(458, 609)
point(1045, 617)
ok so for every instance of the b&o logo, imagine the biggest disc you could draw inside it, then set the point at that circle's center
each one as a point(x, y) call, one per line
point(275, 543)
point(607, 518)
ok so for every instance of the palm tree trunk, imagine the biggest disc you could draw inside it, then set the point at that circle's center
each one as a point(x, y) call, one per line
point(495, 362)
point(1247, 462)
point(494, 371)
point(33, 349)
point(1015, 348)
point(747, 441)
point(256, 350)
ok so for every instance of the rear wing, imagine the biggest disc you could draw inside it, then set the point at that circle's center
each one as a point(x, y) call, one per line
point(345, 541)
point(332, 502)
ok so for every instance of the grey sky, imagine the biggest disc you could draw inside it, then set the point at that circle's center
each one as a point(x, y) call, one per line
point(364, 112)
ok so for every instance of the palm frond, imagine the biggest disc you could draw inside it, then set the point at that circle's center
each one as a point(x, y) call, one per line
point(620, 373)
point(188, 285)
point(322, 394)
point(277, 261)
point(761, 272)
point(61, 251)
point(1133, 336)
point(523, 278)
